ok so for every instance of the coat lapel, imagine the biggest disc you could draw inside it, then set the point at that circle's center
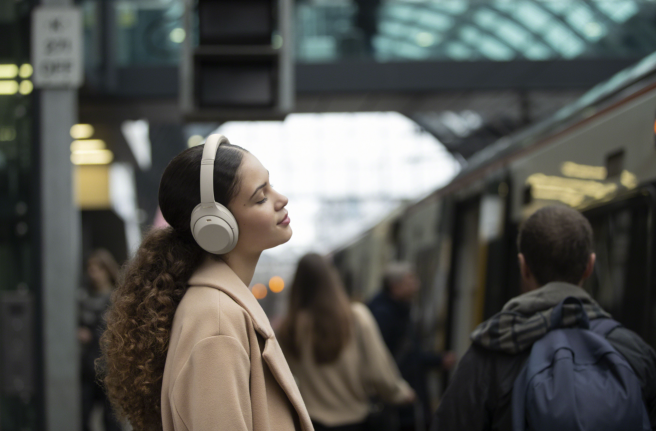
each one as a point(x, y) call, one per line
point(217, 274)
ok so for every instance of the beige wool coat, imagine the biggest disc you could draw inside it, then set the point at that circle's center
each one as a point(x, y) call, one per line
point(338, 393)
point(224, 368)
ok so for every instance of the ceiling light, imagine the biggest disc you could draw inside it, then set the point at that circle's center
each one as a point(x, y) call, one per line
point(8, 87)
point(177, 35)
point(93, 157)
point(26, 70)
point(8, 71)
point(87, 145)
point(82, 131)
point(25, 87)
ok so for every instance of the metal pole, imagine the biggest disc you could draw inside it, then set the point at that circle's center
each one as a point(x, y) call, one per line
point(60, 257)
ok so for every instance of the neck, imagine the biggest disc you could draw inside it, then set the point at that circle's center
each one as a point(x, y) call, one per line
point(242, 264)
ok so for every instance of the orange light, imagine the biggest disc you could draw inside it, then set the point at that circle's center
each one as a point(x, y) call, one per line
point(259, 291)
point(276, 284)
point(654, 126)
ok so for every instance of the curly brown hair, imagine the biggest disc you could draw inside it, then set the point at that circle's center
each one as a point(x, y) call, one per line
point(136, 340)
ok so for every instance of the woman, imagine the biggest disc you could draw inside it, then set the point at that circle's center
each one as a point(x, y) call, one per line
point(335, 351)
point(187, 346)
point(102, 271)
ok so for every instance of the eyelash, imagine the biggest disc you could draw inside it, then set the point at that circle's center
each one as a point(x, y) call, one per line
point(265, 199)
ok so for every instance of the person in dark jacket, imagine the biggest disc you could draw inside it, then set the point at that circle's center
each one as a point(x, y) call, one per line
point(555, 258)
point(391, 308)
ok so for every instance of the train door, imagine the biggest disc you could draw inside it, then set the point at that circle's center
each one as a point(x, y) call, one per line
point(623, 280)
point(464, 277)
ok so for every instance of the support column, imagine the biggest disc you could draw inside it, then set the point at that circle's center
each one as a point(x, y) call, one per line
point(60, 257)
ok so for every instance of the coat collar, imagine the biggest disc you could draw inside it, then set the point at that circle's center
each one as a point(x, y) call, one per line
point(219, 275)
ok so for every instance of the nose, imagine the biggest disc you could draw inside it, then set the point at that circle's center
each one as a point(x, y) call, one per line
point(281, 201)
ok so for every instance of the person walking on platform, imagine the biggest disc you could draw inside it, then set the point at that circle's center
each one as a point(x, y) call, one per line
point(187, 346)
point(336, 352)
point(103, 271)
point(391, 309)
point(552, 359)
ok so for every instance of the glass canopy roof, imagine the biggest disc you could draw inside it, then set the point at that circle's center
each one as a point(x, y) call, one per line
point(460, 30)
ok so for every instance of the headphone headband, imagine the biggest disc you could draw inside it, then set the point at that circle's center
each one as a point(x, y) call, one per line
point(212, 144)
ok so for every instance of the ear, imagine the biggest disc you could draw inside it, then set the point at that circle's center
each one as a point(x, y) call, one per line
point(589, 267)
point(523, 267)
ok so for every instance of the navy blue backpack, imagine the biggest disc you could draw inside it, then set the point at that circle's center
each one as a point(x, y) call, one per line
point(575, 380)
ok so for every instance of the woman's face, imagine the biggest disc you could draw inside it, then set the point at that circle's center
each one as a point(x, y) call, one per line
point(259, 209)
point(97, 273)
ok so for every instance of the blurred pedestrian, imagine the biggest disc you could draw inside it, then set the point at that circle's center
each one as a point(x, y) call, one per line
point(187, 345)
point(555, 258)
point(335, 351)
point(102, 272)
point(392, 310)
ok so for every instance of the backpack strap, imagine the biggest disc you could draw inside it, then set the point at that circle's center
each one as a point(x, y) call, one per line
point(603, 326)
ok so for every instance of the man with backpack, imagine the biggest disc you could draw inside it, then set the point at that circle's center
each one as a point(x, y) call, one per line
point(552, 359)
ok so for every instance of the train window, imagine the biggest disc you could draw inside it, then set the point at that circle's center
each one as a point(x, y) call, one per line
point(615, 163)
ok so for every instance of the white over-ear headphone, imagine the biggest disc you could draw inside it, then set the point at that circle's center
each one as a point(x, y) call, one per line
point(213, 226)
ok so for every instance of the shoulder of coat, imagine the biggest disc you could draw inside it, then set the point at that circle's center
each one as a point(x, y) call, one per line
point(361, 312)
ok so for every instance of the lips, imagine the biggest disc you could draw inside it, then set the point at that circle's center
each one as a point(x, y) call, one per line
point(285, 220)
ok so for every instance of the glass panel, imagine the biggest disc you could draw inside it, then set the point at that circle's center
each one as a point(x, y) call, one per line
point(149, 32)
point(502, 29)
point(18, 222)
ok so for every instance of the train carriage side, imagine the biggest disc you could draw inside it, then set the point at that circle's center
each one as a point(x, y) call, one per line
point(606, 168)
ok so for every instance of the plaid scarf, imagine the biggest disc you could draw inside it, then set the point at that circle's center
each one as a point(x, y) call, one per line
point(526, 318)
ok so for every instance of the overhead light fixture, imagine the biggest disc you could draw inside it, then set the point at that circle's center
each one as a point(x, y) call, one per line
point(8, 71)
point(8, 87)
point(82, 131)
point(177, 35)
point(25, 87)
point(25, 71)
point(87, 145)
point(93, 157)
point(575, 170)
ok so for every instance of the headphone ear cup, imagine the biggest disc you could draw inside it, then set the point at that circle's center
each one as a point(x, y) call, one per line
point(214, 228)
point(213, 234)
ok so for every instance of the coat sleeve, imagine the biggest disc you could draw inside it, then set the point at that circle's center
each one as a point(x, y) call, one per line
point(642, 359)
point(381, 374)
point(212, 390)
point(464, 405)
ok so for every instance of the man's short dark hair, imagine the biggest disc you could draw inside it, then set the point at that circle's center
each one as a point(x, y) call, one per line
point(556, 242)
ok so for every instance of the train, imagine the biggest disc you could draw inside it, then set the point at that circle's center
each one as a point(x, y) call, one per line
point(597, 155)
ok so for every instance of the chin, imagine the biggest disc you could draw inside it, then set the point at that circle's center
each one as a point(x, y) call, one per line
point(281, 239)
point(288, 235)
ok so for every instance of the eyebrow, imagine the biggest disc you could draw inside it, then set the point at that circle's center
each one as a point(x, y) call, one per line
point(257, 190)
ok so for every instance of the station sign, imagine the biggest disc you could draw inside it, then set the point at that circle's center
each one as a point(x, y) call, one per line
point(57, 47)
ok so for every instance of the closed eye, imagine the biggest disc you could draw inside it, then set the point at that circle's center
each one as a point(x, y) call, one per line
point(262, 201)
